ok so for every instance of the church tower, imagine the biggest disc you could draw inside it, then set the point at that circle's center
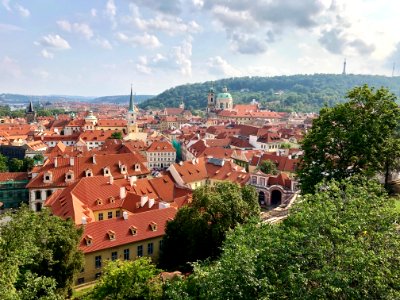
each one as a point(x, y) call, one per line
point(30, 114)
point(211, 100)
point(131, 116)
point(344, 67)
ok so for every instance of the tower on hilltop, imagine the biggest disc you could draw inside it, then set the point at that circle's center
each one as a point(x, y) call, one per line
point(131, 116)
point(344, 67)
point(30, 114)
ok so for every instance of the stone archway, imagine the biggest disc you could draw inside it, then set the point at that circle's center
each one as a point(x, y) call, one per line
point(261, 198)
point(276, 198)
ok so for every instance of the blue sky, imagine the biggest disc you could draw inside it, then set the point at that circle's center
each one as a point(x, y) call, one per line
point(95, 48)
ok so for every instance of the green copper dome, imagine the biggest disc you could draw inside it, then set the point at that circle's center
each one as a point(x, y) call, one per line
point(224, 96)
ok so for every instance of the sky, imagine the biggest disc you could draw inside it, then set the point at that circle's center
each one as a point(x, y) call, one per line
point(98, 48)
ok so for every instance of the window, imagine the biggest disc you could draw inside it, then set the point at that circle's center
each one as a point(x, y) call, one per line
point(38, 195)
point(114, 255)
point(48, 193)
point(97, 261)
point(100, 216)
point(254, 179)
point(81, 280)
point(97, 276)
point(109, 215)
point(126, 254)
point(117, 214)
point(140, 251)
point(150, 248)
point(47, 177)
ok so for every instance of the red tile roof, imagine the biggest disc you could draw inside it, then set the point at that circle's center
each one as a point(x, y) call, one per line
point(7, 176)
point(98, 231)
point(161, 146)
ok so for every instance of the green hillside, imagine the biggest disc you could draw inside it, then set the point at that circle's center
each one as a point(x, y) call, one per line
point(305, 93)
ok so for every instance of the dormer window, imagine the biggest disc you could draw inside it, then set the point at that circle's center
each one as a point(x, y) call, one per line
point(69, 176)
point(111, 235)
point(123, 169)
point(89, 173)
point(133, 230)
point(48, 177)
point(153, 226)
point(111, 199)
point(88, 240)
point(137, 167)
point(99, 201)
point(106, 171)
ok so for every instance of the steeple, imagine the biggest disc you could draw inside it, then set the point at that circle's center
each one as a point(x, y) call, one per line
point(131, 102)
point(30, 107)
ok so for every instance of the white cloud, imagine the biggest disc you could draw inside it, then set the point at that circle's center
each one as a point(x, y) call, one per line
point(166, 23)
point(219, 66)
point(43, 74)
point(47, 54)
point(145, 40)
point(24, 12)
point(53, 41)
point(104, 43)
point(111, 12)
point(183, 56)
point(142, 65)
point(82, 29)
point(93, 12)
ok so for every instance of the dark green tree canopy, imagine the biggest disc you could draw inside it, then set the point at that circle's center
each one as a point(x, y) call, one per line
point(359, 136)
point(39, 255)
point(116, 135)
point(341, 243)
point(197, 232)
point(268, 167)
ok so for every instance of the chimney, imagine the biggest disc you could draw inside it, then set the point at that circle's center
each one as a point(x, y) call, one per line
point(125, 215)
point(94, 158)
point(122, 192)
point(84, 221)
point(111, 180)
point(143, 200)
point(151, 202)
point(72, 161)
point(193, 161)
point(132, 180)
point(55, 162)
point(181, 163)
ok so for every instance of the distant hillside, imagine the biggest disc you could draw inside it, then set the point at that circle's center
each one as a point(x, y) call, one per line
point(121, 99)
point(305, 93)
point(17, 98)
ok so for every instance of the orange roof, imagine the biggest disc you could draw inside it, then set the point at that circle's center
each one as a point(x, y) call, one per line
point(161, 146)
point(192, 171)
point(7, 176)
point(98, 231)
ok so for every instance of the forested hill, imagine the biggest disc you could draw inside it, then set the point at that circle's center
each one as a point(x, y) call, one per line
point(282, 93)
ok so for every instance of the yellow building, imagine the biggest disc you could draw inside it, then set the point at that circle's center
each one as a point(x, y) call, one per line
point(125, 238)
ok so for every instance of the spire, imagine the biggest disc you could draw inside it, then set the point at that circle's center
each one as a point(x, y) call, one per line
point(131, 102)
point(344, 67)
point(30, 107)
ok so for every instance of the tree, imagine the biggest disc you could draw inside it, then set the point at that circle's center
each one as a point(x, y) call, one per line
point(351, 138)
point(28, 164)
point(197, 232)
point(3, 163)
point(116, 135)
point(39, 255)
point(268, 167)
point(15, 165)
point(136, 279)
point(341, 243)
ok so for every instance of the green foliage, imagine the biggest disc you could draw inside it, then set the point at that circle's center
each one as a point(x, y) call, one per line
point(355, 137)
point(268, 167)
point(3, 163)
point(304, 93)
point(197, 232)
point(15, 165)
point(38, 158)
point(128, 280)
point(116, 135)
point(39, 255)
point(341, 243)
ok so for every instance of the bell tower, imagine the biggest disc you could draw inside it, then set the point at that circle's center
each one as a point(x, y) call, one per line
point(211, 100)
